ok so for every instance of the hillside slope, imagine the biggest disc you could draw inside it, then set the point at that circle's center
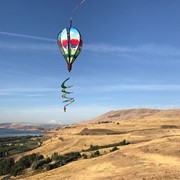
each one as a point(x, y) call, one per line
point(153, 153)
point(133, 114)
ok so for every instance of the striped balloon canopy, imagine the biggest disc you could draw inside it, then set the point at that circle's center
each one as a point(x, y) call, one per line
point(70, 44)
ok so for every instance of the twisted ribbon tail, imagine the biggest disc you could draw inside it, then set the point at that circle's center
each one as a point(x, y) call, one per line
point(68, 100)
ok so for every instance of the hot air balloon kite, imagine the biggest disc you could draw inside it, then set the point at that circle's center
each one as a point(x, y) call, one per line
point(70, 44)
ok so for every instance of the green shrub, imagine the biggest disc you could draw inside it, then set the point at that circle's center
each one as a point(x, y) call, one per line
point(25, 161)
point(95, 154)
point(114, 149)
point(55, 157)
point(93, 148)
point(71, 156)
point(16, 170)
point(53, 165)
point(6, 166)
point(84, 156)
point(36, 164)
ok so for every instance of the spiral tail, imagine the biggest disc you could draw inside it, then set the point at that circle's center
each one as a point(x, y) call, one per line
point(67, 100)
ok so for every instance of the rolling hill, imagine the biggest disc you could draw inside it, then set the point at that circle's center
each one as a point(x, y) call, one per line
point(153, 152)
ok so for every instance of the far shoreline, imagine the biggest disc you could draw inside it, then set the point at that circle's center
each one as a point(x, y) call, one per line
point(21, 134)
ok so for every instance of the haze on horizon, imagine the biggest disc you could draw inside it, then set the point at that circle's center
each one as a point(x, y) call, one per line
point(130, 58)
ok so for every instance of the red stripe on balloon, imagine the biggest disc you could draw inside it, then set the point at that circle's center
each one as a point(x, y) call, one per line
point(64, 42)
point(74, 42)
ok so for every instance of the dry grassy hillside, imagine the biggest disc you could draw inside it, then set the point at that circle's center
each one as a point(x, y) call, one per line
point(153, 152)
point(125, 115)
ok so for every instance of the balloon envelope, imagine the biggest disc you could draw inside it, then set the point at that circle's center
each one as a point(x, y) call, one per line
point(70, 44)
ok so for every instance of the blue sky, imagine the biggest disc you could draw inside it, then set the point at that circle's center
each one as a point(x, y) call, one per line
point(130, 58)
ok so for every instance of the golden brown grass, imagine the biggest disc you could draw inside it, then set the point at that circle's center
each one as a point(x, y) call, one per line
point(154, 152)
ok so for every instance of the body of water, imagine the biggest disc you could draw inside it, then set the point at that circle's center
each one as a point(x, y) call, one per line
point(12, 132)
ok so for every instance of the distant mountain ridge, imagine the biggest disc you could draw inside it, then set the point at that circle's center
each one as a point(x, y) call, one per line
point(27, 127)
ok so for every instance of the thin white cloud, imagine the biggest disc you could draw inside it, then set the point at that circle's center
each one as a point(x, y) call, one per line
point(26, 91)
point(27, 36)
point(30, 46)
point(92, 89)
point(145, 87)
point(48, 44)
point(150, 49)
point(129, 87)
point(21, 42)
point(106, 48)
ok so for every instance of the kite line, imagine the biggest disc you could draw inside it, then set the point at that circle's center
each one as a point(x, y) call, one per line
point(77, 7)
